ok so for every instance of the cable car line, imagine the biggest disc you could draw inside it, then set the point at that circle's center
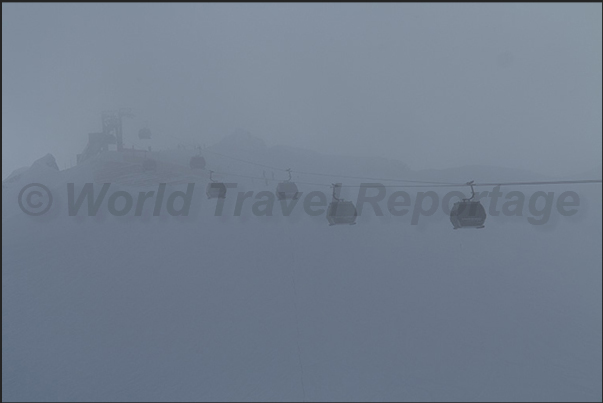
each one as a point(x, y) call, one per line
point(320, 174)
point(375, 179)
point(331, 175)
point(569, 182)
point(585, 181)
point(273, 180)
point(422, 183)
point(539, 183)
point(419, 184)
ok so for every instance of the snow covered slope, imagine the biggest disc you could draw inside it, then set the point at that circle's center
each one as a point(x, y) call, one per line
point(246, 308)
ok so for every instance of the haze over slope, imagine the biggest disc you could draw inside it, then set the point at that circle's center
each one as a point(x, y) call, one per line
point(274, 308)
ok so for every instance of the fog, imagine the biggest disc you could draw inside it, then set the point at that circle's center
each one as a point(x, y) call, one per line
point(358, 202)
point(433, 85)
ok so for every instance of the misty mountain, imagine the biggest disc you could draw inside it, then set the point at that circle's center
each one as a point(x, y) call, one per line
point(273, 202)
point(278, 308)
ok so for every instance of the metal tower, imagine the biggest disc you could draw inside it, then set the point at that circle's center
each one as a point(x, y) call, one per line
point(112, 124)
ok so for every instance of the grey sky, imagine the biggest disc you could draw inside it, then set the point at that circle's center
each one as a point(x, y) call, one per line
point(434, 85)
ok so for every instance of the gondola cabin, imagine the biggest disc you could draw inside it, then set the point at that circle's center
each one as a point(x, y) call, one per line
point(341, 212)
point(216, 190)
point(287, 190)
point(468, 214)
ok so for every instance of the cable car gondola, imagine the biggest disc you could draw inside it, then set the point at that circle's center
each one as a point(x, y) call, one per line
point(287, 189)
point(341, 211)
point(468, 213)
point(215, 190)
point(197, 162)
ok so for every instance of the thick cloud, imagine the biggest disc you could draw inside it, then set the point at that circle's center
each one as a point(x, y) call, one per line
point(434, 85)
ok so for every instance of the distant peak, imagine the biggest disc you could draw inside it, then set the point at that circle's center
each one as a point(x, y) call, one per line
point(46, 162)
